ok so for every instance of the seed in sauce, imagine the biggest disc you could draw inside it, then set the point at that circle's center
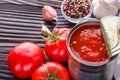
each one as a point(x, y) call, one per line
point(87, 42)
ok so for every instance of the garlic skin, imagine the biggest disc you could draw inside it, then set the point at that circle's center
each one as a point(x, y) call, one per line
point(118, 4)
point(45, 28)
point(114, 2)
point(49, 13)
point(95, 2)
point(102, 8)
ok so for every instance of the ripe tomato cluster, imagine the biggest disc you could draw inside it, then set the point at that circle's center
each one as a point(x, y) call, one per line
point(27, 59)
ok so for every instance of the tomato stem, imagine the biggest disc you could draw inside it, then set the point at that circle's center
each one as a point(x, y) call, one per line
point(52, 37)
point(53, 75)
point(46, 69)
point(56, 26)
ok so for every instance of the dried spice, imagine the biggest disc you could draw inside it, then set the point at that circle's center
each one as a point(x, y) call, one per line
point(76, 8)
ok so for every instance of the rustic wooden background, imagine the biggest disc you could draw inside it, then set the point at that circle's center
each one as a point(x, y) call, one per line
point(19, 23)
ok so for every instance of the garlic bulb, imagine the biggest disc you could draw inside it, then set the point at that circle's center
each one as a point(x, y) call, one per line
point(114, 2)
point(95, 2)
point(102, 9)
point(118, 3)
point(49, 13)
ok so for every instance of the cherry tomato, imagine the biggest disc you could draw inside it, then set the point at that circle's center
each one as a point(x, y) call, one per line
point(55, 45)
point(51, 71)
point(24, 58)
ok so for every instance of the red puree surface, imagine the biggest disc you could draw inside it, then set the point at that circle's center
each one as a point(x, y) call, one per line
point(88, 42)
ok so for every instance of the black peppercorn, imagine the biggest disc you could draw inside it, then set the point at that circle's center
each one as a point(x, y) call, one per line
point(76, 8)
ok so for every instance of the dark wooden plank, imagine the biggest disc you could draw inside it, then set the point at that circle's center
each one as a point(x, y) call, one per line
point(18, 24)
point(23, 23)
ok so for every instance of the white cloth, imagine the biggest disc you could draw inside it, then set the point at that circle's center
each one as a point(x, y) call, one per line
point(117, 69)
point(119, 14)
point(110, 69)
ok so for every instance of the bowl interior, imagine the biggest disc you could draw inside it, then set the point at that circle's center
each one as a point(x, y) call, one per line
point(76, 20)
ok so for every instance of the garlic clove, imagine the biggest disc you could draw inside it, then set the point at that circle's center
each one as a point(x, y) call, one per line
point(49, 13)
point(45, 28)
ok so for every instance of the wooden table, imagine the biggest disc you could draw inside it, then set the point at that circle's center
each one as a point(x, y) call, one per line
point(19, 23)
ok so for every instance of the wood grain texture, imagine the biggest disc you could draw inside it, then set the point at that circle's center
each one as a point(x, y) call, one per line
point(19, 24)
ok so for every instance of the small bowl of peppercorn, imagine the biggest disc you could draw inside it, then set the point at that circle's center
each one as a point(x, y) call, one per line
point(76, 10)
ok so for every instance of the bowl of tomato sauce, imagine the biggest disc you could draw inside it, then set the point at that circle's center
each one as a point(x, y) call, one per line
point(88, 51)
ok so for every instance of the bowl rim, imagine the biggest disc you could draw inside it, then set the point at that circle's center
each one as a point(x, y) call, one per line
point(73, 20)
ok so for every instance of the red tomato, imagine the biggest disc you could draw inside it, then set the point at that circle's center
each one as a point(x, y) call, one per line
point(24, 58)
point(51, 71)
point(55, 46)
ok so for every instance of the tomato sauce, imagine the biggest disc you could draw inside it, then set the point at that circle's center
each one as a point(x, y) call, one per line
point(87, 42)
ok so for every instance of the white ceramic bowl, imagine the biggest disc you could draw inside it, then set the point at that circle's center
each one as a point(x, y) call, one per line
point(76, 20)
